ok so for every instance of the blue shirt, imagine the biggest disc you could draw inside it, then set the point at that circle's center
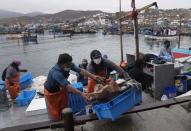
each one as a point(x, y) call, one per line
point(58, 77)
point(165, 52)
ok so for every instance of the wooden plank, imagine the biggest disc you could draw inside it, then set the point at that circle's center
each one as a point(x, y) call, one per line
point(20, 122)
point(151, 106)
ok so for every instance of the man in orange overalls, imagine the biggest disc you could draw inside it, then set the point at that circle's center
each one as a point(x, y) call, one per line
point(57, 85)
point(12, 78)
point(102, 67)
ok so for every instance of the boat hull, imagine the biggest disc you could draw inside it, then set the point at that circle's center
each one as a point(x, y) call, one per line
point(151, 37)
point(179, 53)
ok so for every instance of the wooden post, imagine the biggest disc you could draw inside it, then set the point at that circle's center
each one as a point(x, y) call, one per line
point(179, 33)
point(54, 34)
point(120, 28)
point(67, 116)
point(136, 35)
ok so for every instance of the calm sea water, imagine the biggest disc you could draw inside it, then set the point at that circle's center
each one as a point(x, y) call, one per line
point(39, 58)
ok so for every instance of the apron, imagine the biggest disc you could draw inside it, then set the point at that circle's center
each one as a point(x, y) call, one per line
point(56, 102)
point(14, 89)
point(92, 83)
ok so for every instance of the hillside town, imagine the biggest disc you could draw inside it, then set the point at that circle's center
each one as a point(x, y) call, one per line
point(91, 21)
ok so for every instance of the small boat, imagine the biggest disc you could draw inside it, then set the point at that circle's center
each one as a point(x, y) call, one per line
point(162, 38)
point(161, 33)
point(28, 37)
point(64, 35)
point(180, 52)
point(13, 36)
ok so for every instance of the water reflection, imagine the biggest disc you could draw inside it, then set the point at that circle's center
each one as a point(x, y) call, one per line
point(39, 58)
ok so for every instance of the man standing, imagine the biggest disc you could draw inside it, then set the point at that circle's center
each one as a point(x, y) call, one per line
point(81, 78)
point(57, 85)
point(102, 67)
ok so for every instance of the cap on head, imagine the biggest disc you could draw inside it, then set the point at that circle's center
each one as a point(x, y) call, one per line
point(18, 62)
point(95, 54)
point(84, 61)
point(105, 56)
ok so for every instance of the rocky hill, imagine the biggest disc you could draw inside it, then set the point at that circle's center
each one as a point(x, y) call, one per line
point(60, 16)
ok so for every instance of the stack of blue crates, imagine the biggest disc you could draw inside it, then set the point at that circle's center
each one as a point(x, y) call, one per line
point(3, 93)
point(25, 80)
point(76, 102)
point(25, 97)
point(119, 105)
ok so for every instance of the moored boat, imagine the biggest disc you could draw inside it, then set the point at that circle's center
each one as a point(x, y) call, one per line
point(13, 36)
point(168, 37)
point(28, 37)
point(180, 52)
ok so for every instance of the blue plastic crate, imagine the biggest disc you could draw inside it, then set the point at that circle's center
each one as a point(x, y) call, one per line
point(2, 82)
point(2, 87)
point(78, 85)
point(3, 92)
point(25, 80)
point(119, 105)
point(25, 97)
point(76, 102)
point(137, 97)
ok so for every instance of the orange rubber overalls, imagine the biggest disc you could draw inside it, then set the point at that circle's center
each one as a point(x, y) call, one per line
point(56, 102)
point(13, 89)
point(92, 83)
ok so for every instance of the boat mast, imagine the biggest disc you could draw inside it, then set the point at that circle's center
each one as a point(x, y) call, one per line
point(120, 31)
point(134, 14)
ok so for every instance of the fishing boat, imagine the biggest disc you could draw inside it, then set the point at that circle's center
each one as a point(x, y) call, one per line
point(161, 33)
point(180, 52)
point(13, 36)
point(161, 38)
point(28, 37)
point(64, 35)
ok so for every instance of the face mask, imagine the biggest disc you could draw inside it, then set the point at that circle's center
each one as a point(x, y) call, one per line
point(67, 69)
point(97, 61)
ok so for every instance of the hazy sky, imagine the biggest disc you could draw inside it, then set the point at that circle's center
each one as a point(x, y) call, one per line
point(52, 6)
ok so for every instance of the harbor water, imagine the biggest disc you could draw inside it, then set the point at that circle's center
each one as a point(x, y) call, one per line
point(39, 58)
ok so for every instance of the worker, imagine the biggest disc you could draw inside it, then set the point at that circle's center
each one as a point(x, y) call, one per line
point(12, 75)
point(105, 56)
point(165, 52)
point(102, 67)
point(81, 78)
point(57, 85)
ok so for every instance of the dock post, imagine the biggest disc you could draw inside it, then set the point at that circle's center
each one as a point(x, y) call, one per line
point(120, 30)
point(136, 30)
point(179, 31)
point(67, 116)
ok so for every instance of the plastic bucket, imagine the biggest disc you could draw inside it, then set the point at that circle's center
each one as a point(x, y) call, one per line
point(170, 92)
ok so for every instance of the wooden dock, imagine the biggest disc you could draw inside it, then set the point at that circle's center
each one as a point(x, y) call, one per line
point(150, 115)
